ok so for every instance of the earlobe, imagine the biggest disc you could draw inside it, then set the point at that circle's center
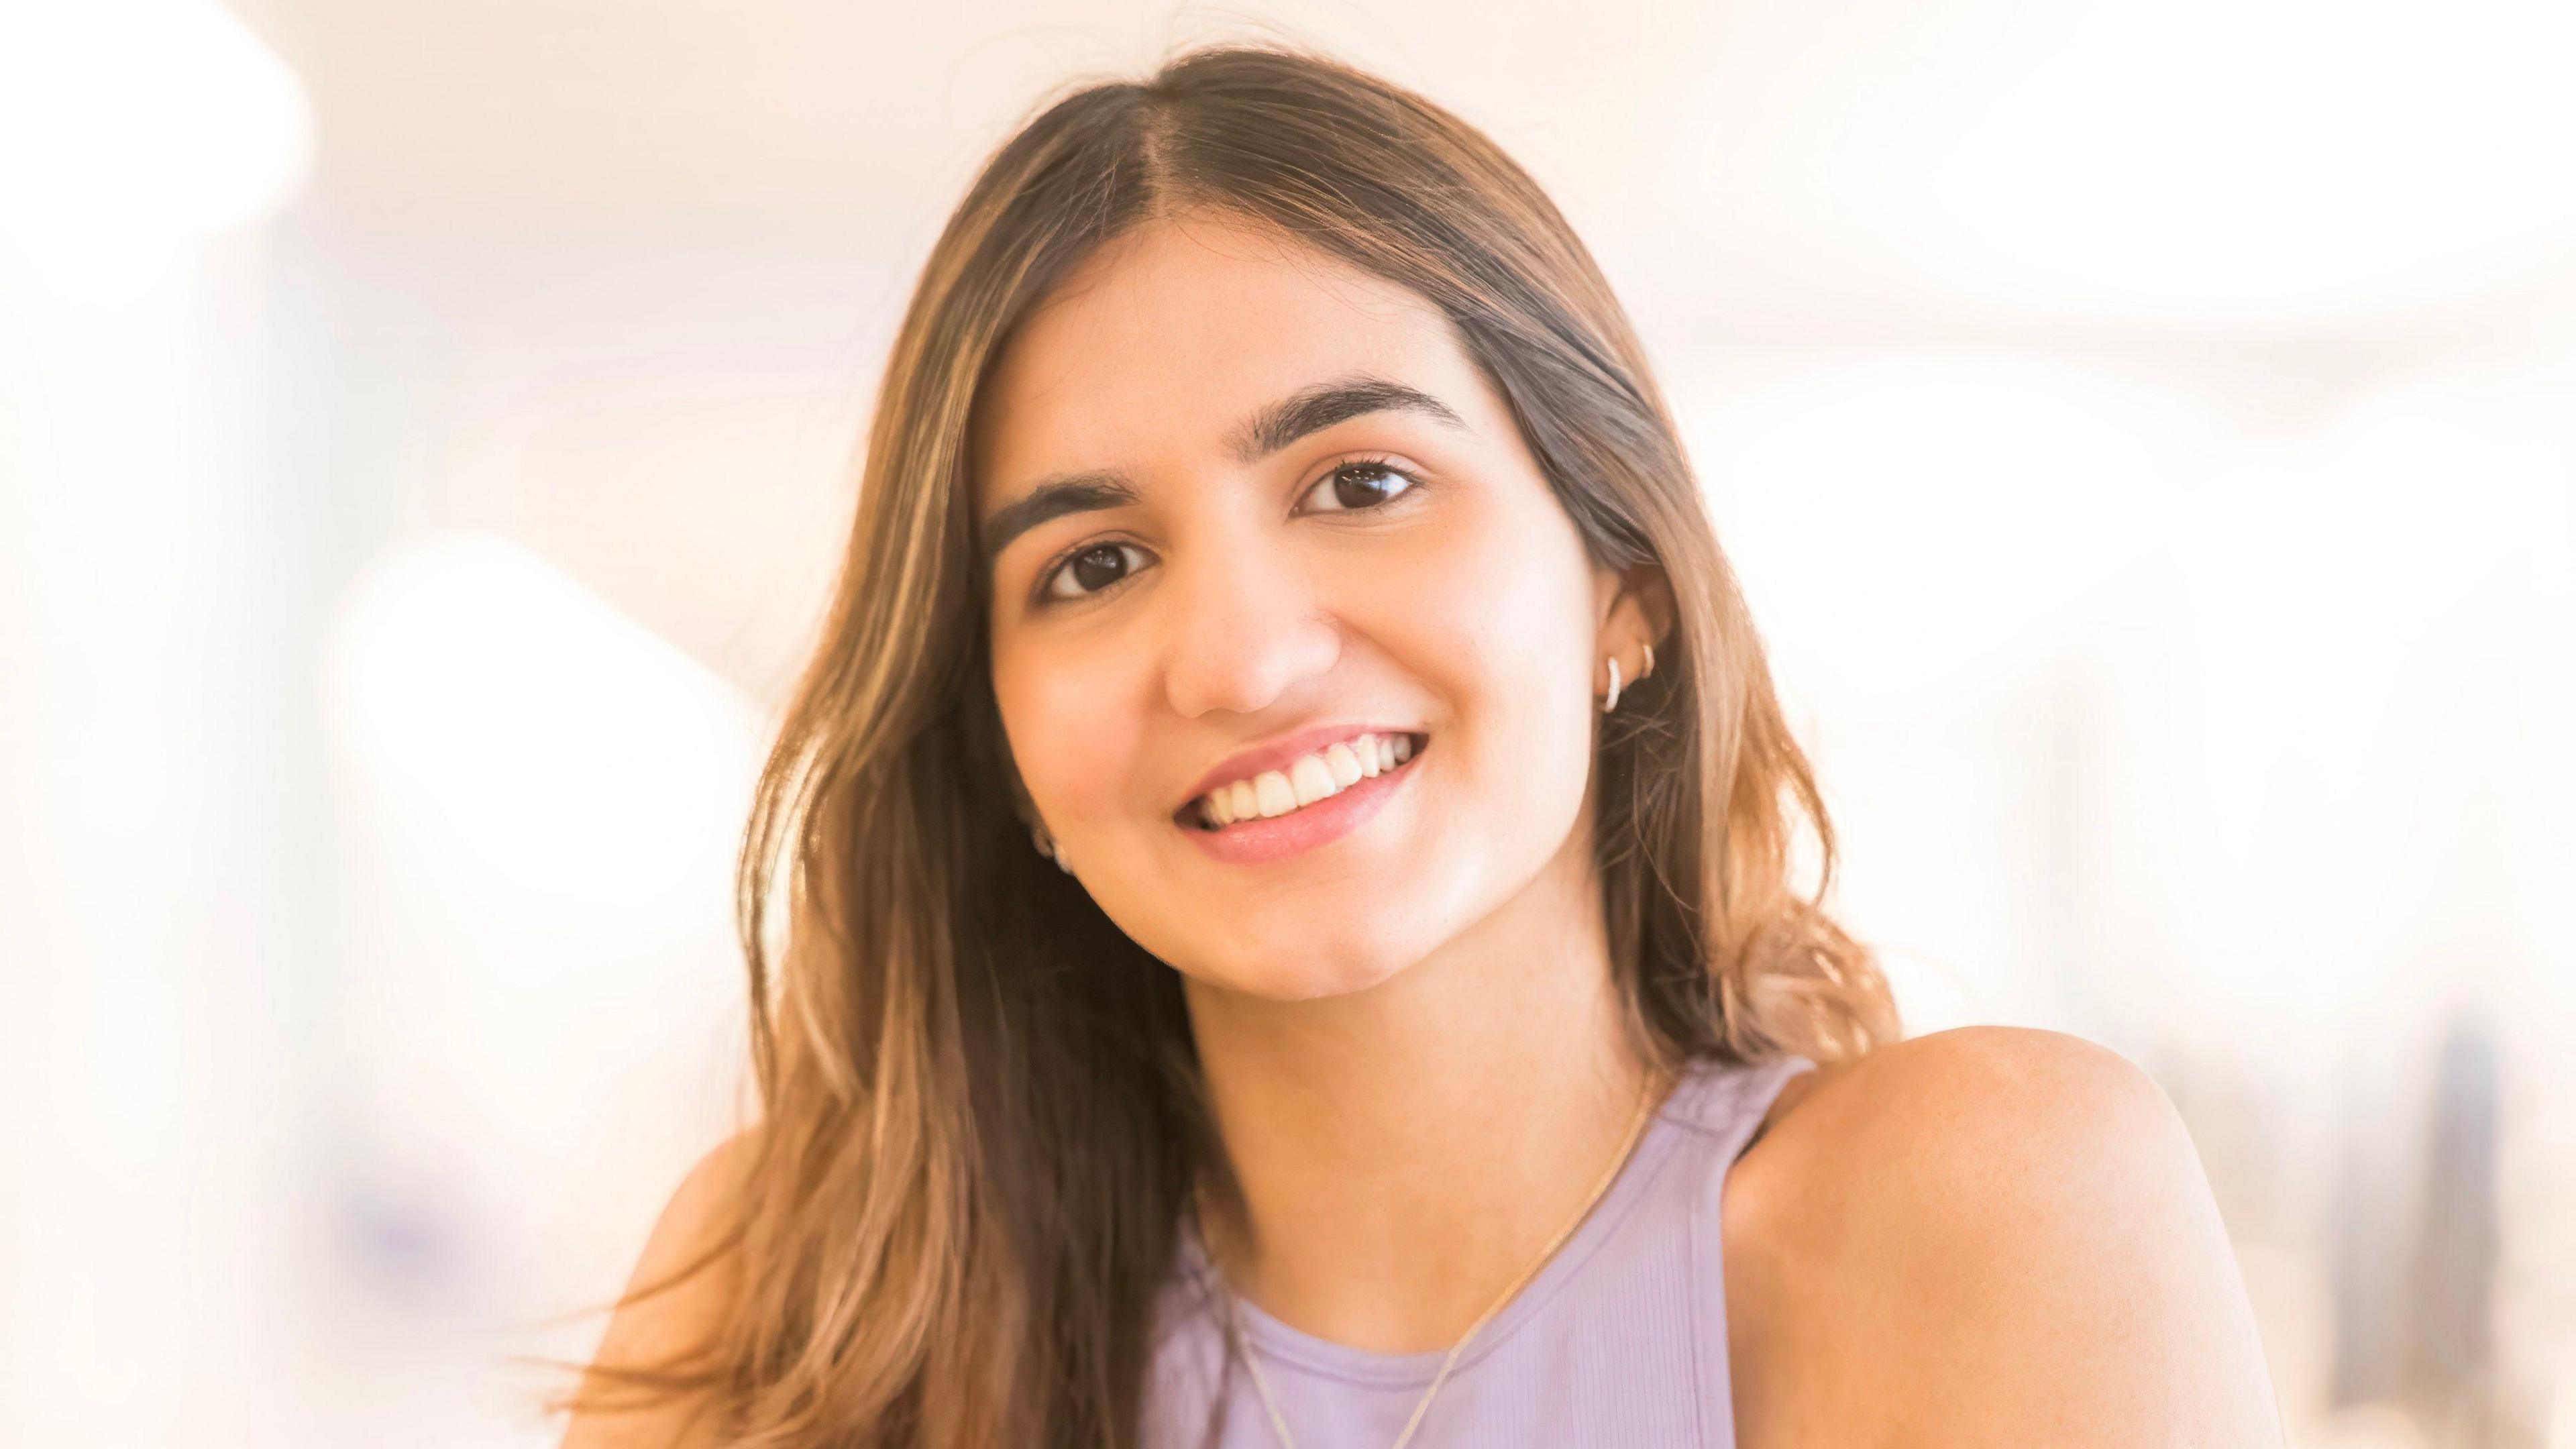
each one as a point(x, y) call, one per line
point(1047, 847)
point(1027, 811)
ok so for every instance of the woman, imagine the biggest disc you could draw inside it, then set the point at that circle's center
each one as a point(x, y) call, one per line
point(1273, 914)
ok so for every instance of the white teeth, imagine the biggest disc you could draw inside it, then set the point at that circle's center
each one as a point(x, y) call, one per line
point(1311, 778)
point(1344, 764)
point(1278, 797)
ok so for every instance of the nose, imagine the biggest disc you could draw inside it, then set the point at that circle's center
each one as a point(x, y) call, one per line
point(1245, 627)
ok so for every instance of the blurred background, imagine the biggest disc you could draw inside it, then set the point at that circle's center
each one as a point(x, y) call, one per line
point(2147, 433)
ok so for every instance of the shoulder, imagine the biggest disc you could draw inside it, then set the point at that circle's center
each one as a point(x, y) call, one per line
point(1951, 1132)
point(695, 1218)
point(1984, 1234)
point(1922, 1094)
point(670, 1302)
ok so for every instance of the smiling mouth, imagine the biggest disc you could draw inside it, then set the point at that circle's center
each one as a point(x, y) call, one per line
point(1312, 780)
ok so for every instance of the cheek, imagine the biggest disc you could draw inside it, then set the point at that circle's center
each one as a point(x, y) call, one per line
point(1063, 730)
point(1497, 610)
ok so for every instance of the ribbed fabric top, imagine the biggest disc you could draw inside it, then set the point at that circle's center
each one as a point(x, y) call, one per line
point(1620, 1340)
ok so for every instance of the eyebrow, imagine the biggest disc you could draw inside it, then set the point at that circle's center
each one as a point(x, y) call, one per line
point(1309, 410)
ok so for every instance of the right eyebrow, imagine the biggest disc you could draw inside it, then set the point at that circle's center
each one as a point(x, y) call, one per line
point(1070, 493)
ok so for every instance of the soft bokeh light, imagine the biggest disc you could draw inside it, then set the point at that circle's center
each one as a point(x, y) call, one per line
point(2209, 163)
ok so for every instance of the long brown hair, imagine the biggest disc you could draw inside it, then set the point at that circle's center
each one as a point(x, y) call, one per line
point(980, 1109)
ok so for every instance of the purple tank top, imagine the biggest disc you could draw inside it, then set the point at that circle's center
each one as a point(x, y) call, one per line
point(1619, 1341)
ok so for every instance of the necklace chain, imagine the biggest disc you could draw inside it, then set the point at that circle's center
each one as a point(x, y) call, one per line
point(1261, 1381)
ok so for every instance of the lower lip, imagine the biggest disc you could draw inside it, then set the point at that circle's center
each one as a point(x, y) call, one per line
point(1251, 842)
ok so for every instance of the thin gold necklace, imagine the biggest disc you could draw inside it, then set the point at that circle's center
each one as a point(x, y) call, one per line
point(1261, 1381)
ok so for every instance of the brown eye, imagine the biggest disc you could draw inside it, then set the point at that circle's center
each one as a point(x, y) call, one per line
point(1093, 569)
point(1369, 483)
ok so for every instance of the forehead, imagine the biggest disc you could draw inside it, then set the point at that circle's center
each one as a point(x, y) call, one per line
point(1162, 341)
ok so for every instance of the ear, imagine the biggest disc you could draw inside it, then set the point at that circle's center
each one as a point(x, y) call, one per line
point(1021, 804)
point(1632, 607)
point(991, 750)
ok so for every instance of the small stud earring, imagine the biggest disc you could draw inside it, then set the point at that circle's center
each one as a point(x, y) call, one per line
point(1612, 702)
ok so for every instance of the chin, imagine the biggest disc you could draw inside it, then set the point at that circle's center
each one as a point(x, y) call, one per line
point(1306, 977)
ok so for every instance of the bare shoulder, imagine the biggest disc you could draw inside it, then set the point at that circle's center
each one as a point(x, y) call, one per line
point(1964, 1078)
point(1988, 1234)
point(651, 1330)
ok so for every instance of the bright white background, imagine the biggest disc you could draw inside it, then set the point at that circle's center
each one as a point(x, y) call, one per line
point(2147, 432)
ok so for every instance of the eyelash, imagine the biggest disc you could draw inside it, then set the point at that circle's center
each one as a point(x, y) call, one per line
point(1066, 560)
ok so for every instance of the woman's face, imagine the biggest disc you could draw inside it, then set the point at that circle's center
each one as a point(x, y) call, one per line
point(1287, 509)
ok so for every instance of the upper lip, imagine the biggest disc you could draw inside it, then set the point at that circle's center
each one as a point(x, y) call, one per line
point(1281, 752)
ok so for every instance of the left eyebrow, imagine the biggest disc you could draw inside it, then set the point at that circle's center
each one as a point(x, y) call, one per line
point(1310, 410)
point(1321, 406)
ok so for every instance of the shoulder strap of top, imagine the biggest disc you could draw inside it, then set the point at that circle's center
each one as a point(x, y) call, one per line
point(1727, 1101)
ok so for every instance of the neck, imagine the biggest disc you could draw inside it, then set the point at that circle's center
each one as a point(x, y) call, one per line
point(1404, 1152)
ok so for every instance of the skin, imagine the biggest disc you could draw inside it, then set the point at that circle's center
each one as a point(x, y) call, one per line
point(1981, 1236)
point(1988, 1235)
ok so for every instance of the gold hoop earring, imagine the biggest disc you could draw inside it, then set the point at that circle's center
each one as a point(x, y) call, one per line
point(1612, 702)
point(1047, 848)
point(1650, 659)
